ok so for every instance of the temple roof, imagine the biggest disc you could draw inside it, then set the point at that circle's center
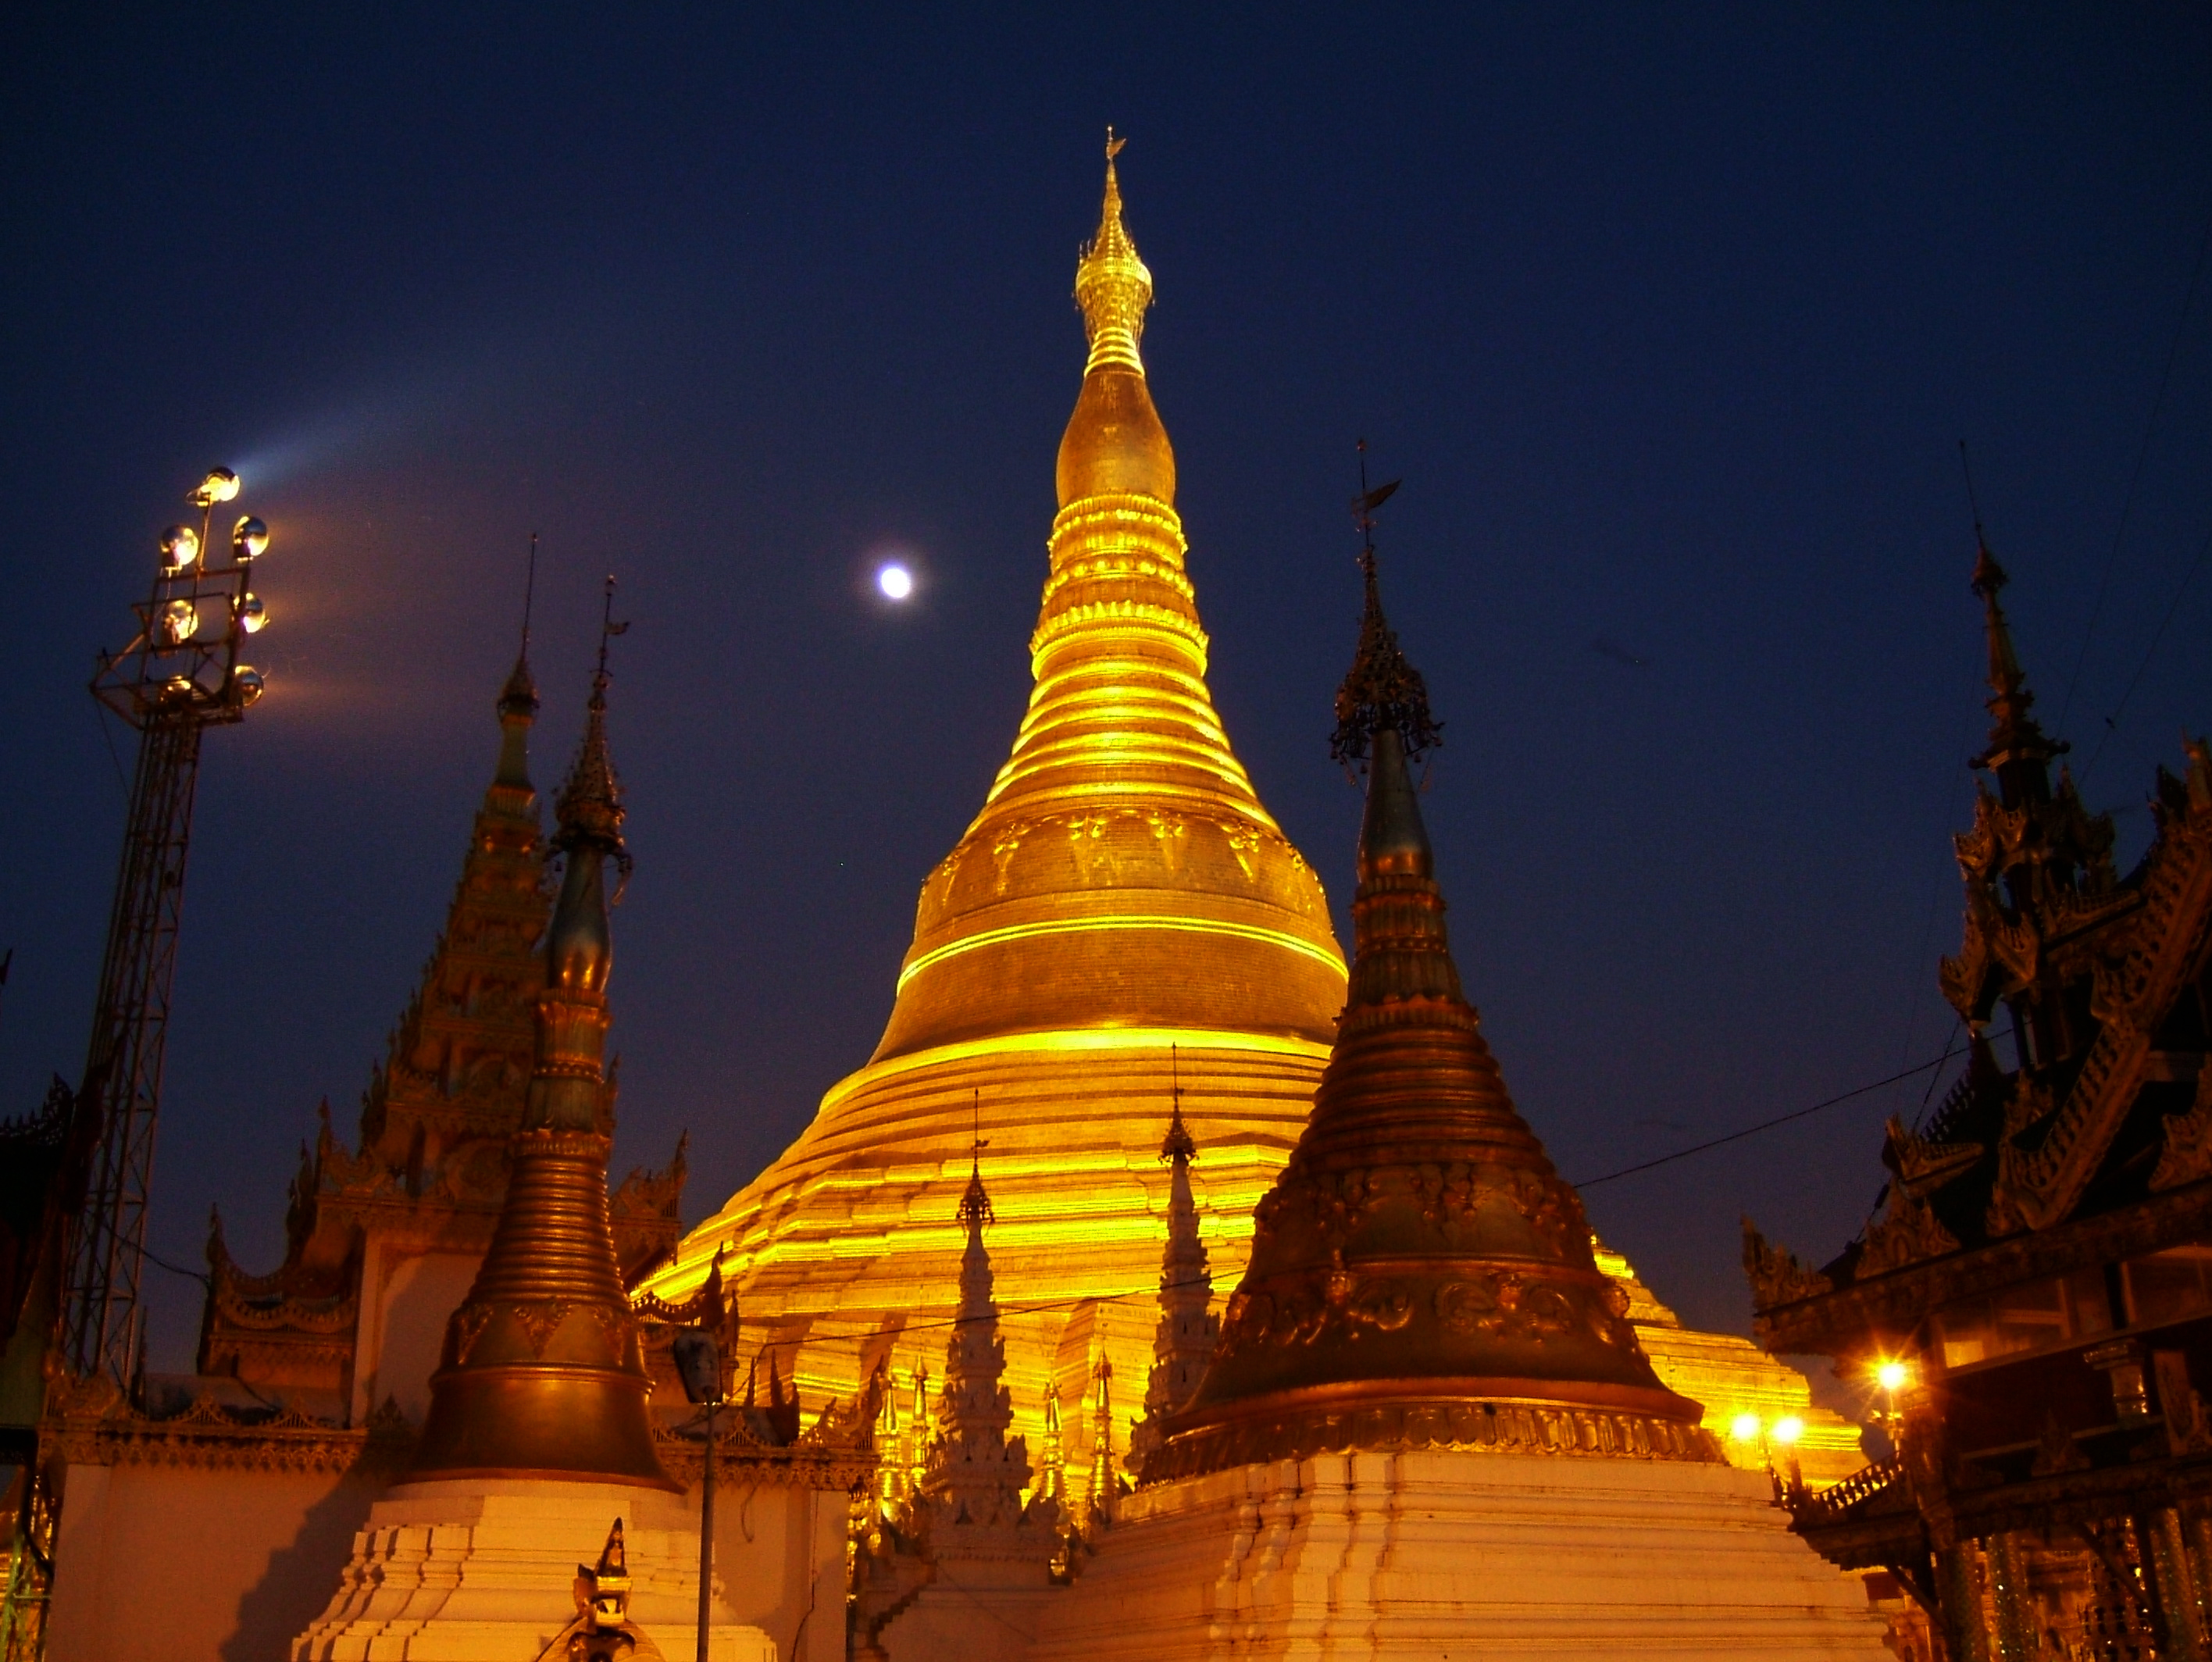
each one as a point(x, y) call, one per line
point(2107, 1108)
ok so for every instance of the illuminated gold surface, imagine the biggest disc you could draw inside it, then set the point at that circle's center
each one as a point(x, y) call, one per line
point(1122, 891)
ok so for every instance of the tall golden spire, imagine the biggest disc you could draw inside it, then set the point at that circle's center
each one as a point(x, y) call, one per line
point(543, 1374)
point(1121, 898)
point(1122, 831)
point(1419, 1273)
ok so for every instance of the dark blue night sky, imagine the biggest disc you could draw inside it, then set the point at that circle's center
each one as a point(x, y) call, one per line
point(1672, 319)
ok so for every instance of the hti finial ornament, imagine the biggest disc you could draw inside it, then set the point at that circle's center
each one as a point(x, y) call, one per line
point(590, 807)
point(1179, 1143)
point(1113, 144)
point(976, 1205)
point(1382, 689)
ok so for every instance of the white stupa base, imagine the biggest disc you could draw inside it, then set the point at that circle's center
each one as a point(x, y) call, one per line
point(1445, 1555)
point(482, 1570)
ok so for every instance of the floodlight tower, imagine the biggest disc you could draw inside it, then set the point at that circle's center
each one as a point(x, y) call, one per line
point(180, 675)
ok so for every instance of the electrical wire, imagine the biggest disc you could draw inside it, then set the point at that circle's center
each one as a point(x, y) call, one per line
point(1765, 1124)
point(2142, 455)
point(2113, 721)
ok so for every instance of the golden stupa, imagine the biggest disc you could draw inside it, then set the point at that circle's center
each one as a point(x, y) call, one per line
point(1123, 907)
point(1122, 915)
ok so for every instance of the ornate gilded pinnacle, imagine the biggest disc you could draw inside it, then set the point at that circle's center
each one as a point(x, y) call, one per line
point(543, 1371)
point(1381, 688)
point(1420, 1274)
point(1112, 285)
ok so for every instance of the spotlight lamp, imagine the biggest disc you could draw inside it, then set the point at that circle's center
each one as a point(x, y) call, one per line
point(1788, 1429)
point(1745, 1428)
point(1892, 1375)
point(184, 665)
point(220, 486)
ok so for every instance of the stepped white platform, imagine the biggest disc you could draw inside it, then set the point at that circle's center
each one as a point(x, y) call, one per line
point(1450, 1554)
point(482, 1570)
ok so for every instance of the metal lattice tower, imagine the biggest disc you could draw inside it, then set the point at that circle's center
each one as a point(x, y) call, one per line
point(180, 675)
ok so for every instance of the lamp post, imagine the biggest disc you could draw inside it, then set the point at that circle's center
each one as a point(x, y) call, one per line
point(1892, 1374)
point(182, 673)
point(699, 1365)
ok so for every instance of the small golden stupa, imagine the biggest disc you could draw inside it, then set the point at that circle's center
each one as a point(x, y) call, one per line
point(542, 1374)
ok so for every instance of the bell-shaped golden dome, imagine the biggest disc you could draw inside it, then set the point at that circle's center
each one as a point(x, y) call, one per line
point(1121, 906)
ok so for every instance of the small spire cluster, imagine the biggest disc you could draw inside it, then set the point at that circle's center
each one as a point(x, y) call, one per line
point(1184, 1340)
point(975, 1472)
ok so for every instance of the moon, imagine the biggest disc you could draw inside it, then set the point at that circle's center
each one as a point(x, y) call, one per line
point(896, 581)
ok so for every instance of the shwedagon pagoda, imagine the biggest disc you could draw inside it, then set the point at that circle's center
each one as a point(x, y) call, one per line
point(1166, 1283)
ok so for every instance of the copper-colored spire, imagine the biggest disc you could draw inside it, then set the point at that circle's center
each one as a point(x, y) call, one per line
point(1419, 1273)
point(542, 1373)
point(2019, 754)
